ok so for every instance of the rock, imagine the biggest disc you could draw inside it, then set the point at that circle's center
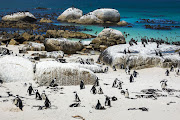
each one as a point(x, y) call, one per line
point(89, 18)
point(70, 14)
point(39, 37)
point(31, 46)
point(107, 14)
point(65, 45)
point(65, 74)
point(15, 68)
point(100, 16)
point(102, 47)
point(122, 23)
point(66, 34)
point(140, 57)
point(108, 37)
point(13, 42)
point(27, 36)
point(45, 20)
point(20, 16)
point(54, 54)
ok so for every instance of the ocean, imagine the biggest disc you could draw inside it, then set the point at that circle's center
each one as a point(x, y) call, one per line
point(161, 12)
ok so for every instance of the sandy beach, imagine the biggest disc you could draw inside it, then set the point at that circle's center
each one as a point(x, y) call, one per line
point(165, 107)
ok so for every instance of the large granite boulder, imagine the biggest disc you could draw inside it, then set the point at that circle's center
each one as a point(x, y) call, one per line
point(89, 18)
point(140, 57)
point(70, 14)
point(107, 14)
point(65, 45)
point(100, 16)
point(108, 37)
point(32, 46)
point(15, 68)
point(20, 16)
point(65, 74)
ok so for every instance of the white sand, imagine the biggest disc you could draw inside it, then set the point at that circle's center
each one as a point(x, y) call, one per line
point(147, 78)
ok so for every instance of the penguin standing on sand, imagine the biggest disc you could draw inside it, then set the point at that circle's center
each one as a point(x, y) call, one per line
point(120, 85)
point(106, 70)
point(115, 83)
point(96, 82)
point(18, 102)
point(43, 95)
point(163, 85)
point(167, 72)
point(77, 99)
point(47, 103)
point(100, 91)
point(135, 73)
point(114, 68)
point(52, 84)
point(93, 89)
point(172, 68)
point(108, 101)
point(131, 78)
point(38, 96)
point(126, 94)
point(30, 90)
point(82, 86)
point(98, 106)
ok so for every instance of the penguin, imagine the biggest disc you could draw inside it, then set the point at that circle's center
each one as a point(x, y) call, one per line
point(100, 91)
point(77, 99)
point(30, 90)
point(167, 72)
point(114, 68)
point(18, 102)
point(120, 85)
point(93, 89)
point(43, 95)
point(52, 82)
point(47, 103)
point(106, 70)
point(125, 51)
point(82, 86)
point(135, 73)
point(126, 94)
point(163, 85)
point(131, 78)
point(172, 68)
point(38, 96)
point(115, 83)
point(107, 101)
point(98, 106)
point(96, 82)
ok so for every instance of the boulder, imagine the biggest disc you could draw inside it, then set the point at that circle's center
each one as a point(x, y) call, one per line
point(45, 20)
point(89, 18)
point(70, 14)
point(67, 34)
point(31, 46)
point(140, 57)
point(20, 16)
point(53, 54)
point(15, 68)
point(65, 45)
point(108, 37)
point(27, 36)
point(100, 16)
point(107, 14)
point(66, 74)
point(13, 42)
point(122, 23)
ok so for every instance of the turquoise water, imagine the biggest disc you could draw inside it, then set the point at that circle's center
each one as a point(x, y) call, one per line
point(130, 11)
